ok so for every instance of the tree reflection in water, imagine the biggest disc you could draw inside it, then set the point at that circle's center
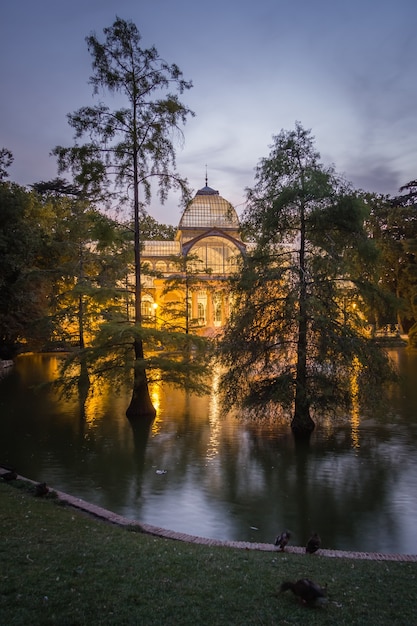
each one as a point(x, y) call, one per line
point(196, 471)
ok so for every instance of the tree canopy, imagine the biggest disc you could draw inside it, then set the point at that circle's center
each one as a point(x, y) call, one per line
point(297, 338)
point(26, 255)
point(392, 224)
point(126, 149)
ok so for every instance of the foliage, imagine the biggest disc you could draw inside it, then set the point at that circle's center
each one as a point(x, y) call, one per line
point(92, 254)
point(134, 141)
point(6, 159)
point(25, 250)
point(57, 188)
point(151, 230)
point(178, 291)
point(410, 197)
point(60, 567)
point(297, 337)
point(131, 146)
point(172, 357)
point(393, 225)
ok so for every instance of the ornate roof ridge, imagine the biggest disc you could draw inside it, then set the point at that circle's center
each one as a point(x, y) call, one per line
point(207, 191)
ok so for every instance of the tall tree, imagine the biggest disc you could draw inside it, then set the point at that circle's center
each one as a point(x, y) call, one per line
point(25, 253)
point(393, 225)
point(130, 146)
point(297, 336)
point(91, 256)
point(404, 216)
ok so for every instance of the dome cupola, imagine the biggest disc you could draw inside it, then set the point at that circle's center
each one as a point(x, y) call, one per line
point(209, 210)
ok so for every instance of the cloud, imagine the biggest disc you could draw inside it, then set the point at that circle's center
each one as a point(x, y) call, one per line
point(345, 71)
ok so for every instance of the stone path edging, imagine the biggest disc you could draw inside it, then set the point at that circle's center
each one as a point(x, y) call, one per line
point(114, 518)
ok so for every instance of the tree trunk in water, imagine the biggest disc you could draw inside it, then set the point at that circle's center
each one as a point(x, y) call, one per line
point(302, 425)
point(140, 406)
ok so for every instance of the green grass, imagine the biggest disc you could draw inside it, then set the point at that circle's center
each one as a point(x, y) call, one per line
point(58, 566)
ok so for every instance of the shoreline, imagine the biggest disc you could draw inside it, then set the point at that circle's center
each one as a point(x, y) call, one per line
point(119, 520)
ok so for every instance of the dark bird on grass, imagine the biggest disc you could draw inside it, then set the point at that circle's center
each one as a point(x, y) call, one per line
point(10, 475)
point(309, 593)
point(41, 489)
point(313, 544)
point(282, 539)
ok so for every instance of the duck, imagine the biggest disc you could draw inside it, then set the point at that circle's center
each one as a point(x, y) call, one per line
point(10, 475)
point(313, 544)
point(309, 592)
point(41, 489)
point(282, 539)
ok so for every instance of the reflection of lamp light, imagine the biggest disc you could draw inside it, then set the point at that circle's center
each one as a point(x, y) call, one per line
point(214, 413)
point(355, 412)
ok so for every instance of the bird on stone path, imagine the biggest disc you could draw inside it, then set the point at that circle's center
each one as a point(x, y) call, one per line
point(313, 544)
point(282, 539)
point(309, 592)
point(41, 489)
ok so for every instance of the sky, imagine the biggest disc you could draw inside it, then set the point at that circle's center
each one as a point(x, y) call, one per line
point(345, 70)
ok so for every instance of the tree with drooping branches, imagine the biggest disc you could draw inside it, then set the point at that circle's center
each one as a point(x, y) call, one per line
point(130, 147)
point(297, 336)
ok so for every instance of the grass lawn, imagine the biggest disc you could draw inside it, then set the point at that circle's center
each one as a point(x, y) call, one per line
point(58, 566)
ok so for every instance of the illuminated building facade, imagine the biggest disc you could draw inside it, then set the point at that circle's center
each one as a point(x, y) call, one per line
point(185, 283)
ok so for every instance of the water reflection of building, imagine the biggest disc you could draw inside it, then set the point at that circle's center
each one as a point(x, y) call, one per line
point(186, 278)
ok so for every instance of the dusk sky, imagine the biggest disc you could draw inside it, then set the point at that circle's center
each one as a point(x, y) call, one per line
point(345, 70)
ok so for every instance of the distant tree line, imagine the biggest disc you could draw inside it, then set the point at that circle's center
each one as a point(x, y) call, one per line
point(60, 256)
point(63, 266)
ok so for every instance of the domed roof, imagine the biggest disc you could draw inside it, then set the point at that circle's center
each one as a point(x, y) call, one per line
point(207, 210)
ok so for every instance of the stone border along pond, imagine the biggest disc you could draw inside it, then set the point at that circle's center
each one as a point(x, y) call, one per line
point(114, 518)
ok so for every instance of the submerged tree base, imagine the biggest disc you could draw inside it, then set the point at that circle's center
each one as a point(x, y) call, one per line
point(302, 428)
point(141, 406)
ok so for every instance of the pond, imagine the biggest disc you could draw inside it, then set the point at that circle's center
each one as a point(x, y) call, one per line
point(196, 472)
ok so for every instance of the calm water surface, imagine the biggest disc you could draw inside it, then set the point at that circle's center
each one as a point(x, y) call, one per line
point(198, 473)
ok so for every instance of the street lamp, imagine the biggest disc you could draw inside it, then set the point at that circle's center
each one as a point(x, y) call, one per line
point(154, 306)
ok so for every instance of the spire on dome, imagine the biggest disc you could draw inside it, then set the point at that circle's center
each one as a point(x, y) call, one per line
point(207, 191)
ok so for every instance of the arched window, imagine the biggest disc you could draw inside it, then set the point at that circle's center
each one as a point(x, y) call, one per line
point(147, 307)
point(161, 266)
point(217, 254)
point(201, 307)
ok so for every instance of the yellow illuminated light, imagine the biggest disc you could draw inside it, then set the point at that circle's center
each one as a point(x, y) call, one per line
point(93, 408)
point(213, 444)
point(355, 416)
point(155, 392)
point(156, 397)
point(96, 400)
